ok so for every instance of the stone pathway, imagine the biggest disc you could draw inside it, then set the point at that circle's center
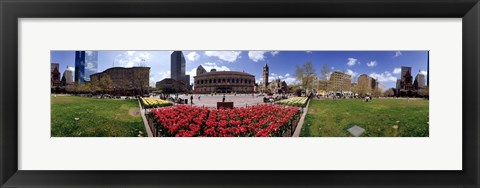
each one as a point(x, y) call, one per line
point(300, 123)
point(145, 122)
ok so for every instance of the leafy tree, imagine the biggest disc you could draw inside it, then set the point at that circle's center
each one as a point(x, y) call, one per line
point(106, 84)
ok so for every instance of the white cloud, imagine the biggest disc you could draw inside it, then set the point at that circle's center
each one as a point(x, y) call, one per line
point(193, 56)
point(351, 73)
point(152, 81)
point(274, 53)
point(229, 56)
point(290, 81)
point(383, 77)
point(257, 56)
point(397, 70)
point(287, 75)
point(423, 72)
point(308, 52)
point(88, 53)
point(397, 53)
point(273, 74)
point(164, 75)
point(352, 61)
point(91, 67)
point(372, 63)
point(132, 58)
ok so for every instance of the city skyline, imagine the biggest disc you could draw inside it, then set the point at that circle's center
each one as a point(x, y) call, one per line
point(385, 66)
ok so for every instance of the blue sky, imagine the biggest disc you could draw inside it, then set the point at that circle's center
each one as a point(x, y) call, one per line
point(382, 65)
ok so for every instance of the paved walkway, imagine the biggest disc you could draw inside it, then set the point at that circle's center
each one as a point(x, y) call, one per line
point(145, 122)
point(300, 123)
point(240, 100)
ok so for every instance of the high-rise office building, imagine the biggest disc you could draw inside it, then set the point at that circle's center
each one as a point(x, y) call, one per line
point(419, 82)
point(85, 65)
point(67, 77)
point(367, 83)
point(177, 66)
point(340, 81)
point(79, 66)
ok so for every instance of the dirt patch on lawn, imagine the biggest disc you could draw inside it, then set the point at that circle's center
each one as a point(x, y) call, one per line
point(134, 112)
point(313, 110)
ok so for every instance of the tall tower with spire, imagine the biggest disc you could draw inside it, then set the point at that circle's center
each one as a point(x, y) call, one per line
point(265, 76)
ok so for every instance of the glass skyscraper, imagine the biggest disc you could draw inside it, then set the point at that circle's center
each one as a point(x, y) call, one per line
point(79, 66)
point(177, 66)
point(85, 65)
point(91, 63)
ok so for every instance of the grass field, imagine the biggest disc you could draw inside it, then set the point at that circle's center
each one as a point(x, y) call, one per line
point(332, 118)
point(87, 117)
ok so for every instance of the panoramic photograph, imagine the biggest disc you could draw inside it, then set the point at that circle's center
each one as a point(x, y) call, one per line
point(109, 93)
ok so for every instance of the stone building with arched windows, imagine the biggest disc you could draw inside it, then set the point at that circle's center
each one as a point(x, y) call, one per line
point(223, 82)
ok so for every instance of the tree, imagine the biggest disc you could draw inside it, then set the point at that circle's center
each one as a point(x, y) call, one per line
point(325, 71)
point(306, 75)
point(389, 93)
point(376, 92)
point(140, 81)
point(94, 85)
point(363, 89)
point(423, 92)
point(106, 84)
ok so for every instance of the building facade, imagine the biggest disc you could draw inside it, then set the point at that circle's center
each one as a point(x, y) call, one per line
point(265, 76)
point(340, 81)
point(177, 68)
point(79, 66)
point(419, 82)
point(224, 82)
point(406, 80)
point(275, 86)
point(366, 84)
point(126, 81)
point(67, 78)
point(55, 75)
point(169, 85)
point(85, 65)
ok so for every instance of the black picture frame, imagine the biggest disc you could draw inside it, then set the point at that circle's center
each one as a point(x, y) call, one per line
point(12, 10)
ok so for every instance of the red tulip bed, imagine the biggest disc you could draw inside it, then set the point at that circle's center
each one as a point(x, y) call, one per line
point(253, 121)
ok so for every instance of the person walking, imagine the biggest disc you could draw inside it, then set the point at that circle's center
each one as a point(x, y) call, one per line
point(191, 99)
point(223, 99)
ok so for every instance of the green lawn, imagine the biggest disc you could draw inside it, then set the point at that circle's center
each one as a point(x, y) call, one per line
point(332, 118)
point(96, 117)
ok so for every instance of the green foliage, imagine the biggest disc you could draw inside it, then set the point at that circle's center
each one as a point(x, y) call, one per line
point(332, 118)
